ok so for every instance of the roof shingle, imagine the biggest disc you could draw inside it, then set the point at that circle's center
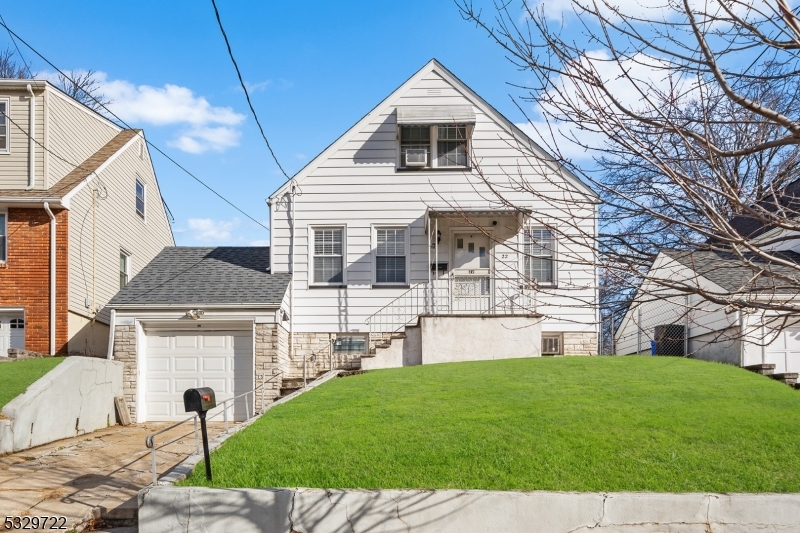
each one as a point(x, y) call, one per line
point(205, 276)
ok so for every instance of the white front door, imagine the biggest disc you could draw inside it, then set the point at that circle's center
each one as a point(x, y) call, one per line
point(784, 351)
point(180, 360)
point(471, 283)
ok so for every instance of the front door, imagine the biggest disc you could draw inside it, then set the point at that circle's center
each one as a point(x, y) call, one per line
point(471, 275)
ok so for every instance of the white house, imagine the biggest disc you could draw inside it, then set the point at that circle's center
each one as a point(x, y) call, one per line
point(396, 220)
point(388, 249)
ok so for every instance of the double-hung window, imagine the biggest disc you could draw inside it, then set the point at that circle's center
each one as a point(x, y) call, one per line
point(3, 237)
point(434, 146)
point(4, 141)
point(329, 255)
point(124, 269)
point(539, 260)
point(390, 256)
point(139, 198)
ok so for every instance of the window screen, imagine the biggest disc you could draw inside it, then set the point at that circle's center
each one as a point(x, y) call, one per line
point(414, 137)
point(390, 266)
point(452, 146)
point(538, 249)
point(328, 251)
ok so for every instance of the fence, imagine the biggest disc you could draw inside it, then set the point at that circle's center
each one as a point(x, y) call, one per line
point(150, 440)
point(654, 326)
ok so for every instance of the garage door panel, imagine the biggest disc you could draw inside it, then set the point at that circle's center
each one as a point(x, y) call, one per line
point(158, 386)
point(159, 409)
point(186, 341)
point(784, 351)
point(158, 364)
point(215, 341)
point(186, 364)
point(157, 341)
point(222, 388)
point(215, 364)
point(179, 385)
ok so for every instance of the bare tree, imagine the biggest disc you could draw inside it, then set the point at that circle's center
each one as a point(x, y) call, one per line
point(83, 86)
point(690, 116)
point(9, 68)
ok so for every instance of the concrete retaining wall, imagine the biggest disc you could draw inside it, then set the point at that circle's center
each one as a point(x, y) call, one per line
point(175, 509)
point(74, 398)
point(454, 338)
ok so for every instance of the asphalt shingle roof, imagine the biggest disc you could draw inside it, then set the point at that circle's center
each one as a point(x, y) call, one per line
point(729, 272)
point(205, 276)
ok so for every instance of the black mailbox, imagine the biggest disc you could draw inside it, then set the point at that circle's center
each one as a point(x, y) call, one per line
point(199, 400)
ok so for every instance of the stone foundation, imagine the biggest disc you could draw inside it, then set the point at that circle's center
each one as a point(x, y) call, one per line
point(125, 351)
point(318, 345)
point(266, 352)
point(580, 344)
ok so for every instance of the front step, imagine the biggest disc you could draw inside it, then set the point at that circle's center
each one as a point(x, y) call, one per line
point(790, 378)
point(765, 369)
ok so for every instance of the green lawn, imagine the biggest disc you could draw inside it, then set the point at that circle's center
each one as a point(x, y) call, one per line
point(16, 376)
point(567, 424)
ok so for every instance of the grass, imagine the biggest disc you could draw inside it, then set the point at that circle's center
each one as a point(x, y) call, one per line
point(17, 376)
point(566, 424)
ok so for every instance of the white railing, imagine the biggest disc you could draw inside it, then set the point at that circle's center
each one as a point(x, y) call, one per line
point(455, 294)
point(150, 440)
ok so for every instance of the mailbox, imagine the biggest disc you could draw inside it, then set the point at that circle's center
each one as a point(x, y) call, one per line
point(199, 400)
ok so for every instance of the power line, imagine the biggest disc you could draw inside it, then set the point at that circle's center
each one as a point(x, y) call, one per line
point(244, 88)
point(159, 150)
point(17, 47)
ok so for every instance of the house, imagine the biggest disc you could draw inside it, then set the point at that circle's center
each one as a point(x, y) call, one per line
point(393, 250)
point(666, 320)
point(80, 214)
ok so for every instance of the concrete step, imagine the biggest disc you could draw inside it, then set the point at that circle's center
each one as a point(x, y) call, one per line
point(286, 391)
point(790, 378)
point(764, 369)
point(399, 335)
point(383, 346)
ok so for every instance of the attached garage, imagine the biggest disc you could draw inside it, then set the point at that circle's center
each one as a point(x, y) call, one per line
point(180, 360)
point(12, 331)
point(784, 351)
point(201, 317)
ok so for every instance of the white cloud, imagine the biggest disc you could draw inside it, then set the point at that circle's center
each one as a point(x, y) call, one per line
point(258, 86)
point(201, 139)
point(211, 230)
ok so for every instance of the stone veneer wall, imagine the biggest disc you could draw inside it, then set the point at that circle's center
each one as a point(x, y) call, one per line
point(580, 344)
point(125, 351)
point(318, 345)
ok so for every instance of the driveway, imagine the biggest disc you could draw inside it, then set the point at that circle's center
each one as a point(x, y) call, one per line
point(101, 471)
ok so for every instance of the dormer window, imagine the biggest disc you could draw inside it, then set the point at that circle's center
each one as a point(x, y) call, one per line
point(433, 137)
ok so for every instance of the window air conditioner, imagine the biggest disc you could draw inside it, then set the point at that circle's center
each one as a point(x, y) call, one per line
point(416, 157)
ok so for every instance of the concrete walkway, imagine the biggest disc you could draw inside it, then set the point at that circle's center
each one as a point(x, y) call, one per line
point(100, 472)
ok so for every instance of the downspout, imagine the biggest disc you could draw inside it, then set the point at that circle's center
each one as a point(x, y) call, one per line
point(291, 279)
point(52, 278)
point(31, 143)
point(111, 327)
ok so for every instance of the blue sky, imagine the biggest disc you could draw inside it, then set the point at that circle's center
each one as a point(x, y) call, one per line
point(315, 68)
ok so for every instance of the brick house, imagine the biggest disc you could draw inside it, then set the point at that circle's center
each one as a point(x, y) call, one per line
point(80, 213)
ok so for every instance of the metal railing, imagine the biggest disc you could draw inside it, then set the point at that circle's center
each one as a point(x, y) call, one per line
point(454, 294)
point(150, 440)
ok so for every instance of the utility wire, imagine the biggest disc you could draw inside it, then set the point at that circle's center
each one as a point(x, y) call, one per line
point(244, 88)
point(17, 47)
point(159, 150)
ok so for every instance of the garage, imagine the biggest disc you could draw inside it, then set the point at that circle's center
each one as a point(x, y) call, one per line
point(12, 331)
point(784, 351)
point(180, 360)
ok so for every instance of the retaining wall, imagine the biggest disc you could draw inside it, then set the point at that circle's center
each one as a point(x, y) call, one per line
point(74, 398)
point(177, 509)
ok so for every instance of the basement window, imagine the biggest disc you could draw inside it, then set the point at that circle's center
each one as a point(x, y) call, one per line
point(350, 345)
point(551, 344)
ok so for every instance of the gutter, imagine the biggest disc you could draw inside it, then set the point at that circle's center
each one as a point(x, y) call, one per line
point(52, 278)
point(31, 137)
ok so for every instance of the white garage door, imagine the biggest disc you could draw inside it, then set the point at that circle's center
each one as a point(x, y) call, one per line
point(784, 351)
point(179, 360)
point(12, 332)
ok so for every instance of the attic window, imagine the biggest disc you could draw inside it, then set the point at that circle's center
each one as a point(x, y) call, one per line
point(434, 146)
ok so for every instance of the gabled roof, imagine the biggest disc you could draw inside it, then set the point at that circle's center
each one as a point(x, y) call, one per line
point(189, 276)
point(729, 272)
point(787, 200)
point(80, 173)
point(483, 105)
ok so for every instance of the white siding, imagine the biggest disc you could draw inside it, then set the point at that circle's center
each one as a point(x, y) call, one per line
point(14, 165)
point(357, 186)
point(118, 226)
point(73, 134)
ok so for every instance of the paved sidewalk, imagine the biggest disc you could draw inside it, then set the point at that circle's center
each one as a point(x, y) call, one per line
point(102, 470)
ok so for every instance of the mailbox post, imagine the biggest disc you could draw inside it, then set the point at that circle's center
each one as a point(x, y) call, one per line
point(199, 401)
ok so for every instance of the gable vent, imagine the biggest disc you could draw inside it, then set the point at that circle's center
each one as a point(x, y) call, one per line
point(434, 92)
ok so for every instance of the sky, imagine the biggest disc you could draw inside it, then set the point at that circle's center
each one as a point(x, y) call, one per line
point(313, 70)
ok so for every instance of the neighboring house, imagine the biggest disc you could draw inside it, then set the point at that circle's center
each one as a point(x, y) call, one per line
point(688, 324)
point(397, 253)
point(80, 213)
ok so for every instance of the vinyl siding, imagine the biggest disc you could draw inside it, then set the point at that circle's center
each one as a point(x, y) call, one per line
point(14, 165)
point(357, 186)
point(73, 134)
point(117, 225)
